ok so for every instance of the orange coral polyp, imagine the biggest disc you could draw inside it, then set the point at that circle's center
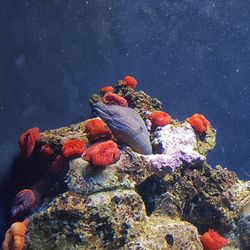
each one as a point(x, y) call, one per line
point(199, 123)
point(102, 154)
point(97, 129)
point(130, 81)
point(160, 118)
point(15, 236)
point(28, 140)
point(112, 98)
point(212, 240)
point(107, 89)
point(73, 148)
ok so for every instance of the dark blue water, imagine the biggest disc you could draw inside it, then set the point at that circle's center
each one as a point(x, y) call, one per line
point(193, 55)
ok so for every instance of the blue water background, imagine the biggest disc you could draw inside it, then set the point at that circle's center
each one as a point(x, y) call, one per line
point(192, 55)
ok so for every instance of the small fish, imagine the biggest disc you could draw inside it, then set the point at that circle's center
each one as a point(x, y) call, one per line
point(126, 125)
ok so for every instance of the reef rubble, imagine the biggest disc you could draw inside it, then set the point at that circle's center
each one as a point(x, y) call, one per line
point(164, 200)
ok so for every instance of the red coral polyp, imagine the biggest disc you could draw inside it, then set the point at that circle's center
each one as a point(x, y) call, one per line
point(28, 140)
point(112, 98)
point(25, 202)
point(97, 129)
point(211, 240)
point(73, 148)
point(160, 118)
point(130, 81)
point(102, 154)
point(199, 123)
point(107, 89)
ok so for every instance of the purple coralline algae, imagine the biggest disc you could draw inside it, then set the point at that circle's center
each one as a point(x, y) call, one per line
point(174, 145)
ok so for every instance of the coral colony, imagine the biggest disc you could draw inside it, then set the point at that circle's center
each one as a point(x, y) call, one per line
point(131, 178)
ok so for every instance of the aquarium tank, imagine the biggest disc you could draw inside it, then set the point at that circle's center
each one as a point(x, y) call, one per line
point(125, 124)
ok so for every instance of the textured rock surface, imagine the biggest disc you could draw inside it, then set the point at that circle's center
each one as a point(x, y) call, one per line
point(107, 220)
point(102, 220)
point(86, 179)
point(207, 142)
point(60, 135)
point(244, 228)
point(206, 197)
point(162, 232)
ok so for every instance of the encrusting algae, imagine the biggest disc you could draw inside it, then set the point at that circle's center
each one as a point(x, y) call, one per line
point(132, 178)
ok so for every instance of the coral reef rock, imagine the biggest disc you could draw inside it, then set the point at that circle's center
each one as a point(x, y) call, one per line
point(165, 200)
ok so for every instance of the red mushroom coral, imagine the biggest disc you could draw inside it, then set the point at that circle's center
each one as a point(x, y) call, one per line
point(102, 154)
point(160, 118)
point(211, 240)
point(130, 81)
point(112, 98)
point(97, 129)
point(107, 89)
point(28, 140)
point(73, 148)
point(25, 202)
point(15, 236)
point(199, 122)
